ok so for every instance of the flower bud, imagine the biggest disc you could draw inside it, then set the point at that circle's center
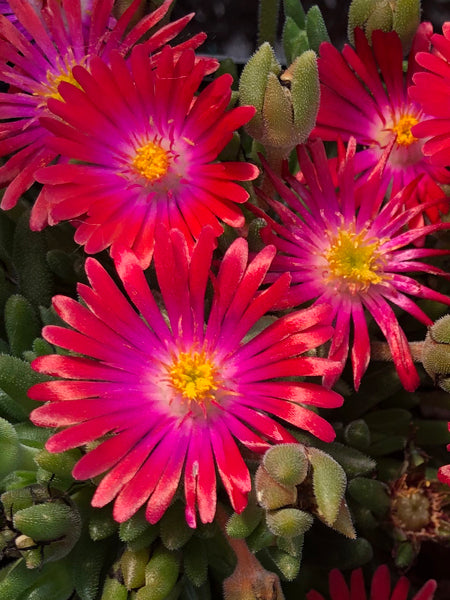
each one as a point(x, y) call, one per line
point(329, 482)
point(402, 16)
point(436, 352)
point(252, 85)
point(286, 104)
point(271, 494)
point(289, 522)
point(286, 463)
point(316, 28)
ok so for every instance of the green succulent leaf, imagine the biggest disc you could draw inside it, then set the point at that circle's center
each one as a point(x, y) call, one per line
point(329, 482)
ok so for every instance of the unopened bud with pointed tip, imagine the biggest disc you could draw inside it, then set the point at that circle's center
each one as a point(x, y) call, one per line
point(270, 494)
point(289, 522)
point(329, 483)
point(287, 463)
point(286, 104)
point(402, 16)
point(436, 352)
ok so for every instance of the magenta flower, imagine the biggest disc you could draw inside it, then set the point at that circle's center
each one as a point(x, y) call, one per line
point(177, 392)
point(343, 247)
point(380, 587)
point(34, 64)
point(146, 149)
point(364, 94)
point(432, 91)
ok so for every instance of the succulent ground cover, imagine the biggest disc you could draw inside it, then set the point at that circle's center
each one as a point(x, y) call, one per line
point(224, 343)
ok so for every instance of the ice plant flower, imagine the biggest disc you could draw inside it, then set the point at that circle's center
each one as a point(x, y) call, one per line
point(380, 588)
point(34, 63)
point(146, 150)
point(432, 91)
point(343, 246)
point(176, 392)
point(364, 94)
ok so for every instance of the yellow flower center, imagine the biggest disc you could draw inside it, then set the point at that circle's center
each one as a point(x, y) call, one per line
point(194, 376)
point(151, 161)
point(53, 81)
point(402, 128)
point(353, 261)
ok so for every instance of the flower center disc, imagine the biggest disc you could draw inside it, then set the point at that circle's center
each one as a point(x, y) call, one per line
point(194, 376)
point(353, 261)
point(151, 161)
point(402, 128)
point(54, 81)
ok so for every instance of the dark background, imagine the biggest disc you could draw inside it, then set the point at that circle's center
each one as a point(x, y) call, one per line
point(231, 25)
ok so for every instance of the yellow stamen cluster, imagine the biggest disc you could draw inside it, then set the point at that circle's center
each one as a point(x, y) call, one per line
point(53, 81)
point(151, 161)
point(353, 261)
point(402, 127)
point(194, 376)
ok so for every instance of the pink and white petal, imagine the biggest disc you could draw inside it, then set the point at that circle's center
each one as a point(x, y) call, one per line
point(107, 454)
point(200, 478)
point(127, 468)
point(396, 338)
point(361, 343)
point(231, 467)
point(263, 423)
point(138, 490)
point(167, 486)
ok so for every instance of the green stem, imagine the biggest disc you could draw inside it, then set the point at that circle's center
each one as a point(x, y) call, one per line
point(381, 351)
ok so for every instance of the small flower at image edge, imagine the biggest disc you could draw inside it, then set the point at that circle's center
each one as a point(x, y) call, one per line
point(364, 94)
point(344, 247)
point(380, 588)
point(164, 398)
point(147, 150)
point(33, 63)
point(432, 91)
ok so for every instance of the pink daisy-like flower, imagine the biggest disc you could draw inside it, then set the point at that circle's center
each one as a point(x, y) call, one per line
point(344, 247)
point(176, 392)
point(146, 149)
point(380, 587)
point(364, 95)
point(63, 35)
point(432, 91)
